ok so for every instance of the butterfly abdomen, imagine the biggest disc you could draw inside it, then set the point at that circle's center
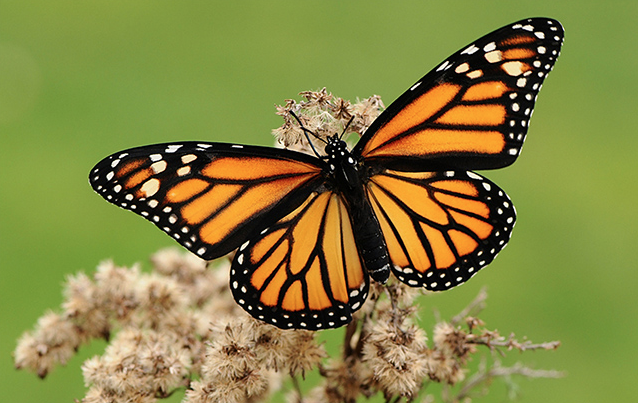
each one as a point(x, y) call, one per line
point(370, 242)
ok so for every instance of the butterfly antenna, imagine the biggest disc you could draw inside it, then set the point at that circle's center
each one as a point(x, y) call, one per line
point(346, 128)
point(306, 131)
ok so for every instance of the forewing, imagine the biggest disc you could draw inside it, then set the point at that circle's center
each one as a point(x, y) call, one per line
point(473, 110)
point(304, 271)
point(440, 227)
point(210, 197)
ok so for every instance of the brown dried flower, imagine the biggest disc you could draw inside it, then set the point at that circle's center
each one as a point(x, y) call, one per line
point(397, 358)
point(53, 342)
point(325, 115)
point(143, 362)
point(452, 341)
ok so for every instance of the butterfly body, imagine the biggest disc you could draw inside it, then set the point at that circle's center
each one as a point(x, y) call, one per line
point(310, 231)
point(350, 177)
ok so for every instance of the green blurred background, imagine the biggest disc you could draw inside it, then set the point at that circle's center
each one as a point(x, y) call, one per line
point(80, 80)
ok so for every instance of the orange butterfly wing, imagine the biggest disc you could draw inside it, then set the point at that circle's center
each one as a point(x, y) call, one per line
point(473, 110)
point(210, 197)
point(441, 222)
point(304, 271)
point(441, 228)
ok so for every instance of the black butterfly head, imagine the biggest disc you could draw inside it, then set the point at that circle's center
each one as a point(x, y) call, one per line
point(336, 147)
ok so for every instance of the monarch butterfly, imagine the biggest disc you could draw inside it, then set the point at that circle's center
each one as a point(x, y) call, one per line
point(309, 231)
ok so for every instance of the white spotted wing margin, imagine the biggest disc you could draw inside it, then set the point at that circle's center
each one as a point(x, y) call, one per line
point(303, 272)
point(441, 228)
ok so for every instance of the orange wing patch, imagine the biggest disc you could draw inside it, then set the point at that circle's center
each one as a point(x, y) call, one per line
point(129, 166)
point(417, 112)
point(236, 168)
point(440, 228)
point(517, 40)
point(446, 120)
point(304, 269)
point(185, 190)
point(225, 215)
point(440, 141)
point(486, 90)
point(137, 178)
point(474, 115)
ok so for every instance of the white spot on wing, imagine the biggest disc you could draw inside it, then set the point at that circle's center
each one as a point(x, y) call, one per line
point(173, 148)
point(514, 68)
point(489, 47)
point(188, 158)
point(470, 50)
point(494, 56)
point(475, 74)
point(158, 166)
point(442, 66)
point(183, 171)
point(150, 187)
point(462, 68)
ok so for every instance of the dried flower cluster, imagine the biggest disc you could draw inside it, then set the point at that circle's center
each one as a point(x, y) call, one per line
point(169, 327)
point(177, 328)
point(326, 115)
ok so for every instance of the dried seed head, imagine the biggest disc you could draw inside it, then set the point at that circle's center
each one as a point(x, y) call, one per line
point(117, 290)
point(346, 380)
point(203, 392)
point(397, 358)
point(342, 109)
point(443, 368)
point(303, 353)
point(158, 296)
point(137, 363)
point(230, 352)
point(84, 307)
point(452, 341)
point(53, 341)
point(324, 115)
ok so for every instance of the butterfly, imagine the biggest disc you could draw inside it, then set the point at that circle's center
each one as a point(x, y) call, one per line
point(309, 231)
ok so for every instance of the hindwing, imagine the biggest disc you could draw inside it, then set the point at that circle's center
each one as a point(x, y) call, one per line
point(440, 227)
point(303, 271)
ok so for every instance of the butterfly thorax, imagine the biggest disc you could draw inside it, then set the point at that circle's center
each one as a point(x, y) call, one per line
point(341, 165)
point(344, 170)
